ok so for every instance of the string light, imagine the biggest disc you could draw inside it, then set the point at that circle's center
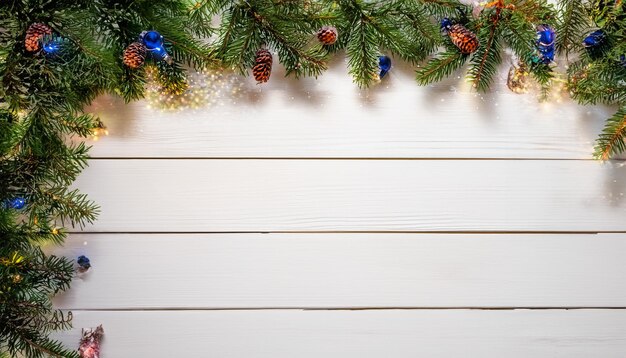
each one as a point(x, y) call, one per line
point(517, 79)
point(99, 130)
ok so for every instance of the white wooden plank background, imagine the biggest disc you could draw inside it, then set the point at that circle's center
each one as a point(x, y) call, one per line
point(348, 271)
point(356, 195)
point(363, 334)
point(330, 117)
point(493, 201)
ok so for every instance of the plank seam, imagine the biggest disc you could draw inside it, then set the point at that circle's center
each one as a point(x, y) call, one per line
point(521, 232)
point(278, 308)
point(618, 160)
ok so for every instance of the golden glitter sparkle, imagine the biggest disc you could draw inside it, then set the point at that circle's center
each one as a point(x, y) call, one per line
point(205, 88)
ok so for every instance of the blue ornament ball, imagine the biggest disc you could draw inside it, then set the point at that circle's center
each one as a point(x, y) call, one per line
point(153, 40)
point(595, 39)
point(17, 203)
point(155, 43)
point(545, 35)
point(622, 59)
point(83, 262)
point(445, 23)
point(545, 43)
point(384, 64)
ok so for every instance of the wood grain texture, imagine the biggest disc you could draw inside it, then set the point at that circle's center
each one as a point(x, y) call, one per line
point(221, 271)
point(209, 294)
point(359, 334)
point(349, 195)
point(330, 117)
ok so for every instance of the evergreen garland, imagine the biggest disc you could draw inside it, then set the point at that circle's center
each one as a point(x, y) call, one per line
point(56, 56)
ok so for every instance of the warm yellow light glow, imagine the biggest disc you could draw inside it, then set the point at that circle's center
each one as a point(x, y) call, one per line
point(205, 88)
point(99, 131)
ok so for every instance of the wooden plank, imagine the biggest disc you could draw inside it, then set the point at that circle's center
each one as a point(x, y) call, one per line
point(331, 118)
point(216, 271)
point(355, 195)
point(359, 334)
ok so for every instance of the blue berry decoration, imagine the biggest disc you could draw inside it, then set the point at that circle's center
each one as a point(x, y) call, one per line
point(595, 43)
point(83, 263)
point(17, 203)
point(595, 39)
point(51, 48)
point(445, 23)
point(384, 64)
point(545, 43)
point(155, 44)
point(545, 35)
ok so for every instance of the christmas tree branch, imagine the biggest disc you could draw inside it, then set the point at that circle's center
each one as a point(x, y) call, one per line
point(572, 21)
point(440, 67)
point(483, 65)
point(293, 56)
point(362, 53)
point(613, 138)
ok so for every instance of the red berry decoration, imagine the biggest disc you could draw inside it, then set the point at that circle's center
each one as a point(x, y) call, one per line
point(463, 38)
point(34, 35)
point(135, 55)
point(263, 66)
point(327, 35)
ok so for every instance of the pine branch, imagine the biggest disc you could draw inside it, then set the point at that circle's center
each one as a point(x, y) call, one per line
point(396, 27)
point(599, 82)
point(612, 141)
point(247, 26)
point(572, 22)
point(68, 205)
point(238, 40)
point(362, 53)
point(131, 85)
point(171, 78)
point(420, 27)
point(200, 15)
point(27, 279)
point(292, 54)
point(440, 67)
point(484, 62)
point(446, 8)
point(48, 348)
point(520, 35)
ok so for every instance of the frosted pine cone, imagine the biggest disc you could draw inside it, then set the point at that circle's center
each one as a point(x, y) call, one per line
point(135, 55)
point(34, 35)
point(263, 66)
point(327, 35)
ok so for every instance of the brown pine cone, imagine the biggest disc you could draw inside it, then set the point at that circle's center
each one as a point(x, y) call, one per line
point(263, 67)
point(135, 55)
point(463, 38)
point(327, 35)
point(34, 35)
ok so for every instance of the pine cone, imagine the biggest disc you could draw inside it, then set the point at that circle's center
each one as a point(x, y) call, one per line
point(135, 55)
point(463, 38)
point(263, 68)
point(34, 35)
point(327, 35)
